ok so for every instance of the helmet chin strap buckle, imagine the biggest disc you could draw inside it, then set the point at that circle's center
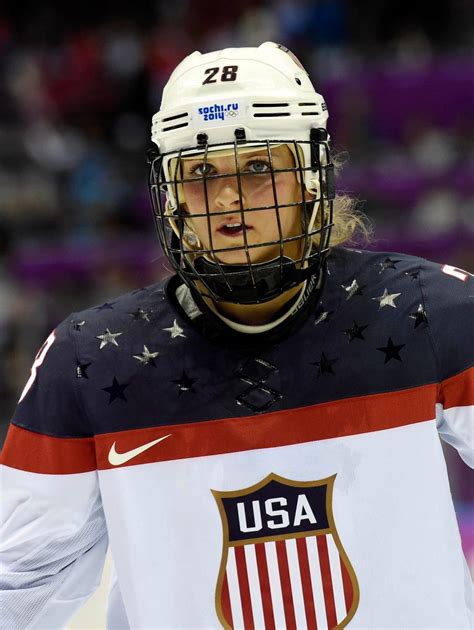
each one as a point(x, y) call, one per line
point(233, 283)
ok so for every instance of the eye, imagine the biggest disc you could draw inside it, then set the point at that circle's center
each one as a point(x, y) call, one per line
point(201, 169)
point(258, 166)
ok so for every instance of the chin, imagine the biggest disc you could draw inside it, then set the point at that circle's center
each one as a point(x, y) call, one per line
point(238, 257)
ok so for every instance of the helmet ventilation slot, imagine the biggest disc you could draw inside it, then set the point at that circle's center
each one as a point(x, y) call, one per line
point(271, 104)
point(175, 117)
point(175, 127)
point(271, 114)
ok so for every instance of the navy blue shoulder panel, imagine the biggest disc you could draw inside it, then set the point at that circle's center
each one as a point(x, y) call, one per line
point(51, 402)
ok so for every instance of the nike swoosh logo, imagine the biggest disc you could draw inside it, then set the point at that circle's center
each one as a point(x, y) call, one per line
point(116, 459)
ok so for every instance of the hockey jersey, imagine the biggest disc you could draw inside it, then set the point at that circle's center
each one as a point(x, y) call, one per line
point(291, 479)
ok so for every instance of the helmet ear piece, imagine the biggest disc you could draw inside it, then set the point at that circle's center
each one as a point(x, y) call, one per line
point(188, 235)
point(191, 237)
point(313, 187)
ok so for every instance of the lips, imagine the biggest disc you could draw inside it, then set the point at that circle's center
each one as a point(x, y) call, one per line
point(233, 228)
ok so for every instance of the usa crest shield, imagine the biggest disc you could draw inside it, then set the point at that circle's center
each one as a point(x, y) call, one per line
point(283, 564)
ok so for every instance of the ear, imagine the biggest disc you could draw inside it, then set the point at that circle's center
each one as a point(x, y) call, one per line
point(308, 196)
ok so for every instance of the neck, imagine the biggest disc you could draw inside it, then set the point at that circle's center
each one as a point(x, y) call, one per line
point(254, 314)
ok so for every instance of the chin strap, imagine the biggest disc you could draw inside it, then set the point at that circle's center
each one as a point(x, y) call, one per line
point(261, 328)
point(194, 306)
point(234, 283)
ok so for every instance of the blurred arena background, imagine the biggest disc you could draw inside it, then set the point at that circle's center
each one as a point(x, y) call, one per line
point(78, 87)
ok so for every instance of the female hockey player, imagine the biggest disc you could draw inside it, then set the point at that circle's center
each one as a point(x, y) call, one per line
point(257, 437)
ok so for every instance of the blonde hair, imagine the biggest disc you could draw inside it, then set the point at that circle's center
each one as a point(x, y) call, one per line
point(350, 225)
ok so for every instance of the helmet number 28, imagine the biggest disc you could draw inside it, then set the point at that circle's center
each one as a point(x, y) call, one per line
point(229, 73)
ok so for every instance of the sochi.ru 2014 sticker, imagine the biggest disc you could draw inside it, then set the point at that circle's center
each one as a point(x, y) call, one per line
point(219, 112)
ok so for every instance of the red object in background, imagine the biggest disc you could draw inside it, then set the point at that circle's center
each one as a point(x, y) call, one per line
point(75, 81)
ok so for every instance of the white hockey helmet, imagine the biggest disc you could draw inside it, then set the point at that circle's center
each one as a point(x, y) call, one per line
point(233, 99)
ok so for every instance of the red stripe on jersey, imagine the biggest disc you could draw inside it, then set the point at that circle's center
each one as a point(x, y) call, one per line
point(244, 587)
point(457, 391)
point(347, 585)
point(265, 592)
point(306, 584)
point(349, 416)
point(285, 582)
point(327, 581)
point(35, 452)
point(225, 602)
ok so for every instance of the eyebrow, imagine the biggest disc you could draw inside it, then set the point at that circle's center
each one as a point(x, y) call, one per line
point(259, 153)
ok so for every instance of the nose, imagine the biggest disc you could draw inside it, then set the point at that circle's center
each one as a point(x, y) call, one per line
point(227, 196)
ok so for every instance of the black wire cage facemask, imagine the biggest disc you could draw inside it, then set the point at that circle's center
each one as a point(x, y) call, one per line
point(266, 268)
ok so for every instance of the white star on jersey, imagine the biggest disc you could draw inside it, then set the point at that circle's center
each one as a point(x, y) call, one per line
point(175, 330)
point(108, 337)
point(387, 299)
point(146, 356)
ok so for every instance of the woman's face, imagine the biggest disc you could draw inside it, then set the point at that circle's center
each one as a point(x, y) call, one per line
point(226, 226)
